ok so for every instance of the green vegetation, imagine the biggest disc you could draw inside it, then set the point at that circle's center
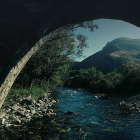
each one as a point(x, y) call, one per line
point(50, 66)
point(125, 80)
point(35, 93)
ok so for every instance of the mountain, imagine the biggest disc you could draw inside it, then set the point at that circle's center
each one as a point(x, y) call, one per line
point(113, 55)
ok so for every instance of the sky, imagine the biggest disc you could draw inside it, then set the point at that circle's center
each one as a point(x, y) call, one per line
point(108, 30)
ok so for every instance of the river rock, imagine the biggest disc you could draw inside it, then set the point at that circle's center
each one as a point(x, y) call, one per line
point(27, 109)
point(132, 103)
point(6, 117)
point(122, 103)
point(50, 110)
point(44, 110)
point(22, 113)
point(44, 105)
point(11, 117)
point(17, 121)
point(28, 116)
point(101, 96)
point(52, 102)
point(33, 101)
point(22, 108)
point(6, 122)
point(46, 115)
point(15, 107)
point(8, 110)
point(25, 120)
point(7, 125)
point(29, 98)
point(2, 114)
point(37, 104)
point(2, 121)
point(46, 95)
point(33, 112)
point(41, 102)
point(53, 114)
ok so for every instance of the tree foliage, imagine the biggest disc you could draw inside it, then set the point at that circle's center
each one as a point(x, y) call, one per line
point(50, 66)
point(125, 80)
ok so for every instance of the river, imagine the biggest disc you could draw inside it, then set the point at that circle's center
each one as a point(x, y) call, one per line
point(82, 116)
point(94, 118)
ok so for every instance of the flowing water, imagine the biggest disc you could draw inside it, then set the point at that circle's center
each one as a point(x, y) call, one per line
point(94, 118)
point(81, 116)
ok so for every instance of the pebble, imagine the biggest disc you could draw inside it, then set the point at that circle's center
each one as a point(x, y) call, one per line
point(27, 108)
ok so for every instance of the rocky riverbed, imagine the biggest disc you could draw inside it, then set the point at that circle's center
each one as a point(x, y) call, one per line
point(78, 115)
point(131, 103)
point(25, 109)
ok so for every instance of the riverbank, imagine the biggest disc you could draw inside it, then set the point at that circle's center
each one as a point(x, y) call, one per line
point(23, 109)
point(78, 115)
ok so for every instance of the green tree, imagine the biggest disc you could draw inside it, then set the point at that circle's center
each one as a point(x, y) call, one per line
point(52, 61)
point(51, 64)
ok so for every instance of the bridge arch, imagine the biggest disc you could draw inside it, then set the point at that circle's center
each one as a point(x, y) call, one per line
point(23, 23)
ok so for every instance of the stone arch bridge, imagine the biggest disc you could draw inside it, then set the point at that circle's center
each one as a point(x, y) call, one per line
point(25, 25)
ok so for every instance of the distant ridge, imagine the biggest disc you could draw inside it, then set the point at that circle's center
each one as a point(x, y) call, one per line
point(115, 53)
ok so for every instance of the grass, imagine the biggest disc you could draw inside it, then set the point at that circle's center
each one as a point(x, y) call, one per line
point(35, 93)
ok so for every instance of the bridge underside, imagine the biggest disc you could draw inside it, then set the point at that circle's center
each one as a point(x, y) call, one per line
point(27, 25)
